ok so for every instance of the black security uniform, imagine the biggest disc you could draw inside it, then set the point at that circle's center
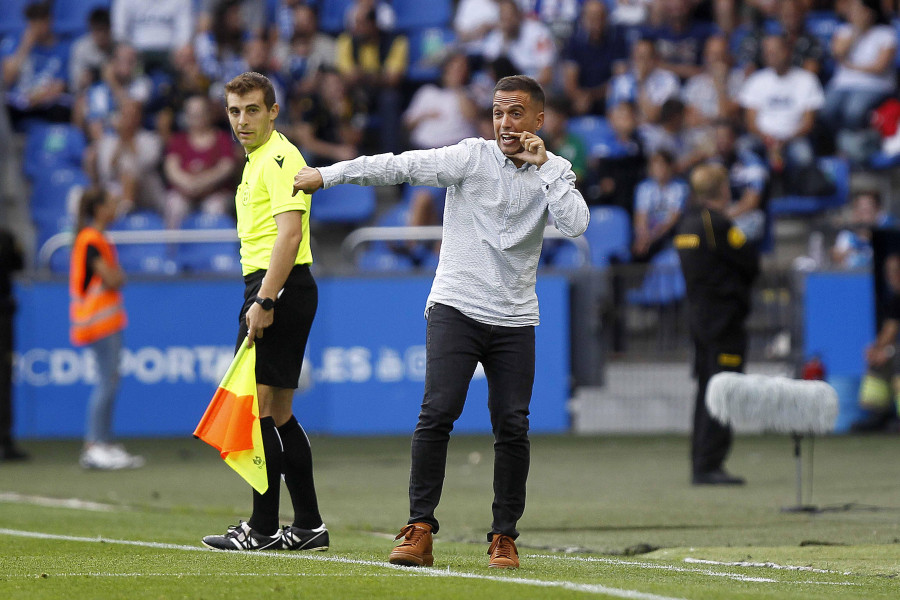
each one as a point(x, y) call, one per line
point(10, 261)
point(719, 268)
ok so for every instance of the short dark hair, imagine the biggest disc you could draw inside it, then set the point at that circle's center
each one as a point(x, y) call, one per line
point(673, 107)
point(666, 155)
point(522, 83)
point(99, 17)
point(91, 199)
point(37, 11)
point(245, 83)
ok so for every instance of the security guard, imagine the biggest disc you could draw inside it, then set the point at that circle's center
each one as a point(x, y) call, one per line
point(719, 267)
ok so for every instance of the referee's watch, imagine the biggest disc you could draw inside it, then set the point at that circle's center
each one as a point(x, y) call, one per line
point(266, 303)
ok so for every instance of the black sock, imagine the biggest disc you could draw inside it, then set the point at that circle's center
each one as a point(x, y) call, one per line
point(265, 506)
point(298, 475)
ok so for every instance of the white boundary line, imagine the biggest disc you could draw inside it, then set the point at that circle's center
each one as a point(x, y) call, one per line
point(767, 565)
point(567, 585)
point(72, 503)
point(674, 569)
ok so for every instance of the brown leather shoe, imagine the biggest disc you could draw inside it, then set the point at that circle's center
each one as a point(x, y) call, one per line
point(504, 554)
point(415, 549)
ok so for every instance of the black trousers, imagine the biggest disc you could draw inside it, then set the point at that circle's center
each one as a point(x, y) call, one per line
point(454, 345)
point(6, 351)
point(711, 440)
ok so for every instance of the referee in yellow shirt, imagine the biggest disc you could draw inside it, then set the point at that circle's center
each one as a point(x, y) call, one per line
point(280, 300)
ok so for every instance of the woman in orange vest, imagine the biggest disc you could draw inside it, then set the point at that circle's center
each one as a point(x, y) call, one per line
point(97, 315)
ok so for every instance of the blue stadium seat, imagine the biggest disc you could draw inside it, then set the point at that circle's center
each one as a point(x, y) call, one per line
point(380, 256)
point(331, 15)
point(52, 146)
point(413, 15)
point(662, 284)
point(822, 24)
point(151, 258)
point(70, 16)
point(609, 234)
point(345, 204)
point(595, 133)
point(13, 21)
point(54, 194)
point(835, 168)
point(209, 257)
point(426, 47)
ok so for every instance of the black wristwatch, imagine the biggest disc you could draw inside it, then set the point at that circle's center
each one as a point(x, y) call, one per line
point(266, 303)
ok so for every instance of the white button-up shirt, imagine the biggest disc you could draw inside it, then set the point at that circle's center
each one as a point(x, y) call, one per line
point(494, 219)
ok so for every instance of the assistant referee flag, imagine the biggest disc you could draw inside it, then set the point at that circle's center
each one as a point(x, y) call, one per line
point(231, 421)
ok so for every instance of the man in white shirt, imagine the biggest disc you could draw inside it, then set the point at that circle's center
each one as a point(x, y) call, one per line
point(526, 42)
point(645, 84)
point(781, 103)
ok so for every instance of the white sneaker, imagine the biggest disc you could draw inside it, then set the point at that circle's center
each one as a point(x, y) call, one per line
point(134, 461)
point(108, 458)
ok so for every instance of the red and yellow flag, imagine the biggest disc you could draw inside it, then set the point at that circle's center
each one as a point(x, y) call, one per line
point(231, 421)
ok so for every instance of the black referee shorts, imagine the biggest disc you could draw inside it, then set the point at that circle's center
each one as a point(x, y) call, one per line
point(279, 353)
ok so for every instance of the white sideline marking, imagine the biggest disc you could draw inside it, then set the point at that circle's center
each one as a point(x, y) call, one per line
point(567, 585)
point(73, 503)
point(767, 565)
point(673, 568)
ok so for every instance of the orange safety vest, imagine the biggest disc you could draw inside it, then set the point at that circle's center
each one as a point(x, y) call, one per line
point(96, 311)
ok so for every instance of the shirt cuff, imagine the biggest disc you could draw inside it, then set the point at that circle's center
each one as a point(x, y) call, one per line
point(551, 170)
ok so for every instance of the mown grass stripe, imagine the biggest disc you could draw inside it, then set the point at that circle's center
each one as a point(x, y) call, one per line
point(567, 585)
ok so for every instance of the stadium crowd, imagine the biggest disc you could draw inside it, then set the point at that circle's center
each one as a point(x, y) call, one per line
point(639, 92)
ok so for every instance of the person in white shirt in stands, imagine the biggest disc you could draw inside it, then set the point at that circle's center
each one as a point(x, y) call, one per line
point(155, 28)
point(442, 115)
point(864, 50)
point(528, 43)
point(645, 84)
point(781, 103)
point(474, 19)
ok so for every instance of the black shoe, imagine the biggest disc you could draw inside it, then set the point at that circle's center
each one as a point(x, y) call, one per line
point(242, 537)
point(717, 477)
point(12, 453)
point(294, 538)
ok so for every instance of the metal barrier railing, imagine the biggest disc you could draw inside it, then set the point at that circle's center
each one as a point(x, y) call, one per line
point(167, 236)
point(433, 233)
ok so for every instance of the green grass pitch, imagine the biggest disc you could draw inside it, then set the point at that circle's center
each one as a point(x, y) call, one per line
point(607, 517)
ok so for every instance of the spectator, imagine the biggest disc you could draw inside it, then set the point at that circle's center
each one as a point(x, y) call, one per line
point(878, 392)
point(590, 57)
point(155, 28)
point(806, 49)
point(306, 52)
point(658, 204)
point(474, 19)
point(679, 39)
point(254, 15)
point(559, 141)
point(713, 94)
point(35, 68)
point(329, 124)
point(91, 51)
point(122, 80)
point(385, 17)
point(126, 162)
point(198, 165)
point(187, 80)
point(220, 45)
point(374, 63)
point(747, 181)
point(558, 15)
point(616, 170)
point(645, 84)
point(671, 135)
point(781, 103)
point(853, 246)
point(864, 50)
point(442, 115)
point(526, 42)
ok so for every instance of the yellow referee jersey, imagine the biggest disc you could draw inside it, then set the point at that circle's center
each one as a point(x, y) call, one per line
point(265, 191)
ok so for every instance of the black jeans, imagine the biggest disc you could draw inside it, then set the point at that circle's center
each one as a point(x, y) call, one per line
point(454, 345)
